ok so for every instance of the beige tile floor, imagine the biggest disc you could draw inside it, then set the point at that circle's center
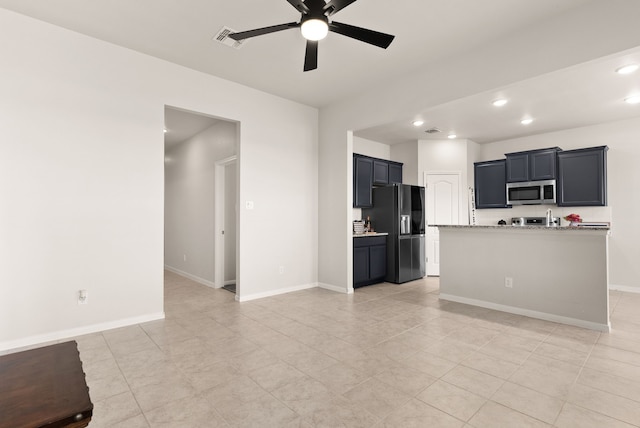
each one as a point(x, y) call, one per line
point(387, 356)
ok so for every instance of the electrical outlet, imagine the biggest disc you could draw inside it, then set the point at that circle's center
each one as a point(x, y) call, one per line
point(83, 297)
point(281, 270)
point(508, 282)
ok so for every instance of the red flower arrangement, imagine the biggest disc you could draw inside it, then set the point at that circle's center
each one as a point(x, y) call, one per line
point(573, 218)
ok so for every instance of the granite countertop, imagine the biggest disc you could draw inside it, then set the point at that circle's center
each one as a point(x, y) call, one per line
point(362, 235)
point(496, 226)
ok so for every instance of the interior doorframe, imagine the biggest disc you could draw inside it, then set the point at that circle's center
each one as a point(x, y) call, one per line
point(219, 209)
point(428, 236)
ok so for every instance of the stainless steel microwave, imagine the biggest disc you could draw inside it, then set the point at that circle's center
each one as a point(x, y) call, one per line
point(531, 193)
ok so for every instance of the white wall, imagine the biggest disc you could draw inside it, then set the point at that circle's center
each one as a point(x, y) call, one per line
point(623, 176)
point(407, 153)
point(371, 148)
point(81, 179)
point(189, 200)
point(581, 34)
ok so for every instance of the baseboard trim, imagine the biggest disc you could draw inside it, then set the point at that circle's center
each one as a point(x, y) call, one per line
point(529, 313)
point(190, 276)
point(246, 298)
point(625, 288)
point(14, 345)
point(335, 288)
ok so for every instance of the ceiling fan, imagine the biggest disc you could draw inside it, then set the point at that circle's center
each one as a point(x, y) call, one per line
point(314, 25)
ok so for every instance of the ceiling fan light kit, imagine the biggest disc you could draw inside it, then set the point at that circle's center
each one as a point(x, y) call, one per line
point(314, 29)
point(314, 25)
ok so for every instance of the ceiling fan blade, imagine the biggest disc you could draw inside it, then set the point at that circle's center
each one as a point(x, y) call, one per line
point(241, 35)
point(299, 5)
point(375, 38)
point(334, 6)
point(311, 56)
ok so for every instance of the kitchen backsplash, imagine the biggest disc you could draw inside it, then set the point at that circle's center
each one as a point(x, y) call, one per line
point(492, 216)
point(487, 217)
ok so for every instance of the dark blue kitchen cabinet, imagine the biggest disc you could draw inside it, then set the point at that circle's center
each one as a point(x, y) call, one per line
point(369, 172)
point(490, 184)
point(369, 260)
point(582, 177)
point(380, 172)
point(362, 181)
point(386, 172)
point(361, 265)
point(531, 165)
point(395, 173)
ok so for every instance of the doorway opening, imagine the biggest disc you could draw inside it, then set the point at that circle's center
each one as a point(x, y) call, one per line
point(226, 211)
point(197, 148)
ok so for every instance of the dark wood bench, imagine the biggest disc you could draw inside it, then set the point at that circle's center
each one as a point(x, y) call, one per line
point(44, 387)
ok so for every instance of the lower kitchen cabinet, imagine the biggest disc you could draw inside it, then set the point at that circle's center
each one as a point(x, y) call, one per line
point(369, 260)
point(582, 177)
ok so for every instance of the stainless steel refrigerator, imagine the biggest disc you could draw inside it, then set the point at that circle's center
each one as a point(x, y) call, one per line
point(399, 211)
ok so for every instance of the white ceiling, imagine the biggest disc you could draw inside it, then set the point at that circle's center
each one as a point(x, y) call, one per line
point(427, 31)
point(587, 94)
point(182, 31)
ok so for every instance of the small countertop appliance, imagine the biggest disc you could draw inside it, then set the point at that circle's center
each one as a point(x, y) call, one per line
point(535, 221)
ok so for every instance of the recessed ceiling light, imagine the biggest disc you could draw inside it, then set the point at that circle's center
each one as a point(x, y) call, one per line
point(452, 136)
point(526, 121)
point(165, 130)
point(500, 102)
point(634, 99)
point(418, 122)
point(627, 69)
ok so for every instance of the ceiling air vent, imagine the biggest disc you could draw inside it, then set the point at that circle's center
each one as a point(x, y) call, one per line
point(432, 131)
point(222, 36)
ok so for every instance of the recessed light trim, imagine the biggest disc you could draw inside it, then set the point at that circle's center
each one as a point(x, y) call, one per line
point(452, 136)
point(527, 121)
point(165, 130)
point(500, 102)
point(627, 69)
point(418, 122)
point(633, 99)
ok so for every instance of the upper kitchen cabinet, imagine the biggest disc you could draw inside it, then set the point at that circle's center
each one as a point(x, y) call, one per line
point(369, 172)
point(386, 172)
point(362, 181)
point(395, 172)
point(490, 184)
point(380, 172)
point(582, 177)
point(532, 165)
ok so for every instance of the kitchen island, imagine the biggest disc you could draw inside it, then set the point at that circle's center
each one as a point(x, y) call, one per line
point(557, 274)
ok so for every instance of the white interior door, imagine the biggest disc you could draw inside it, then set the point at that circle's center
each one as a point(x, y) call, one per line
point(442, 207)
